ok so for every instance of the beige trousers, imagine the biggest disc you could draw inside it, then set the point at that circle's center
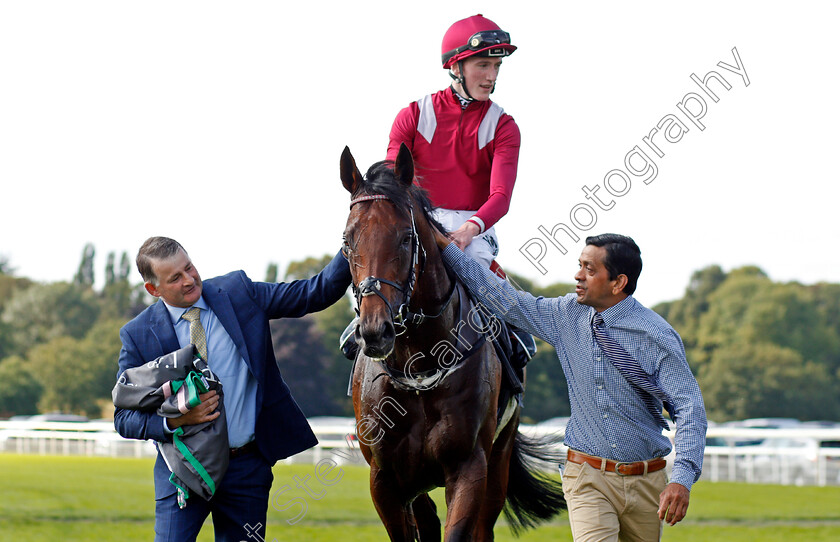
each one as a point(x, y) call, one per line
point(605, 506)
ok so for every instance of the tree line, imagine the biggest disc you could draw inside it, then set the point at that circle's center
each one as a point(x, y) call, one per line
point(758, 348)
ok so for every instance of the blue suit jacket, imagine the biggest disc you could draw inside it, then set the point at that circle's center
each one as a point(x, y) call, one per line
point(244, 308)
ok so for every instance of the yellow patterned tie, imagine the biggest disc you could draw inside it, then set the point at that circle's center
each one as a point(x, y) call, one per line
point(197, 336)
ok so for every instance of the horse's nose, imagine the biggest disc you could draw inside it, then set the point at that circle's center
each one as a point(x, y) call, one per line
point(377, 338)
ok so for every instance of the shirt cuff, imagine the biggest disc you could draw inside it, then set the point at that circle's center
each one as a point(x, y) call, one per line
point(478, 222)
point(166, 429)
point(682, 477)
point(452, 253)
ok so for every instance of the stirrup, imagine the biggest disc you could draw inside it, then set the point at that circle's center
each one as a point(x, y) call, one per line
point(347, 343)
point(525, 340)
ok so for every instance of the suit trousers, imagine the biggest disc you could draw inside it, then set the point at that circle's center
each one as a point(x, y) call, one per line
point(605, 506)
point(238, 508)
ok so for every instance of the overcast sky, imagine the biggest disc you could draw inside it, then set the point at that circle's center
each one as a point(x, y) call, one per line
point(221, 124)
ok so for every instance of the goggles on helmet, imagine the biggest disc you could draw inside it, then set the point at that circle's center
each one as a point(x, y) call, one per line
point(484, 42)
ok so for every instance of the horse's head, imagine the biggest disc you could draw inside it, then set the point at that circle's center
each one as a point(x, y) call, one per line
point(382, 245)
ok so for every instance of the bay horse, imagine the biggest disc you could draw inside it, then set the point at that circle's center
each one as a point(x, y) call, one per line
point(427, 381)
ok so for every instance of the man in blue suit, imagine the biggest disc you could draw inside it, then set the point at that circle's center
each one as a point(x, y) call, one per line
point(264, 422)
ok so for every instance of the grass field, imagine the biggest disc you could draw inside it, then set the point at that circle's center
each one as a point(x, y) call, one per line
point(50, 498)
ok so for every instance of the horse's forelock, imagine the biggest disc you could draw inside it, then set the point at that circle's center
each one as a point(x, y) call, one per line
point(380, 180)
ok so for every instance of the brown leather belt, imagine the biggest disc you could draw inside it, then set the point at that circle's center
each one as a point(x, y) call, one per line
point(619, 467)
point(242, 450)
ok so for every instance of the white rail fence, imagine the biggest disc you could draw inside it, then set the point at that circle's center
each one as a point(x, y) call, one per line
point(802, 456)
point(101, 439)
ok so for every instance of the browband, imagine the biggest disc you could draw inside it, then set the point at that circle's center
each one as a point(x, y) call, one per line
point(367, 198)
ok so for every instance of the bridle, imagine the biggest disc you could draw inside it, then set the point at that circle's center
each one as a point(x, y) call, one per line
point(409, 380)
point(402, 316)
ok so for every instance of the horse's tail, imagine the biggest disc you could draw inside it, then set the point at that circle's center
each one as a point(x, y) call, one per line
point(533, 496)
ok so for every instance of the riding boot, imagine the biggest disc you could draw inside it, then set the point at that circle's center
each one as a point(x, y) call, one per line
point(347, 342)
point(523, 344)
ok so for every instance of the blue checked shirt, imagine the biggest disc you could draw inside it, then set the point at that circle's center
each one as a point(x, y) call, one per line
point(608, 419)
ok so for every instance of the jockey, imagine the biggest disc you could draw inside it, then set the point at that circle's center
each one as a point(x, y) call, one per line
point(465, 147)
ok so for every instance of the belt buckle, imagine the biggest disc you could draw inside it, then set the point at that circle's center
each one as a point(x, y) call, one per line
point(239, 450)
point(619, 464)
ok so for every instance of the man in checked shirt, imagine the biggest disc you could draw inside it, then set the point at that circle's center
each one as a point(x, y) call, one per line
point(614, 477)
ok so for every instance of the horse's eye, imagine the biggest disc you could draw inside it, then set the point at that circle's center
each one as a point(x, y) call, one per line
point(406, 241)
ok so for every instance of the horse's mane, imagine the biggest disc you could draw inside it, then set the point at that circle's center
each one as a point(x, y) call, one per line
point(380, 179)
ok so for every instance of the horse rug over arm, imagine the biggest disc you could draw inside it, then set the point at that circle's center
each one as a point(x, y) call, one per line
point(198, 455)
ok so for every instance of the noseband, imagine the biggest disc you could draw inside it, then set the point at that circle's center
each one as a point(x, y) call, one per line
point(373, 285)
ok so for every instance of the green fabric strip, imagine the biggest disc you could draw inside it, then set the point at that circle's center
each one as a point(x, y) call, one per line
point(176, 438)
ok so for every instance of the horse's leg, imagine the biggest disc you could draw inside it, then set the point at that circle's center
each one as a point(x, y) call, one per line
point(428, 522)
point(465, 491)
point(497, 481)
point(390, 505)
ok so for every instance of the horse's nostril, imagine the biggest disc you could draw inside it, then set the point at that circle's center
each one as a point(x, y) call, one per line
point(388, 333)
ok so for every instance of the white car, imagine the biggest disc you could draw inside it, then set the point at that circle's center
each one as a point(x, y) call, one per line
point(798, 461)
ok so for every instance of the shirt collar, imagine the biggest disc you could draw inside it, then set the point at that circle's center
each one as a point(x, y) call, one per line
point(616, 312)
point(175, 313)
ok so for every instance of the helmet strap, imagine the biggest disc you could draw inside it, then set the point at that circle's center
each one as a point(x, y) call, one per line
point(461, 80)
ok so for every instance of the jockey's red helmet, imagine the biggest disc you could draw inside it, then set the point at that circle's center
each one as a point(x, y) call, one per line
point(474, 36)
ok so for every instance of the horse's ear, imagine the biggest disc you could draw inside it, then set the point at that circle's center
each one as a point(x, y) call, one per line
point(351, 177)
point(404, 166)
